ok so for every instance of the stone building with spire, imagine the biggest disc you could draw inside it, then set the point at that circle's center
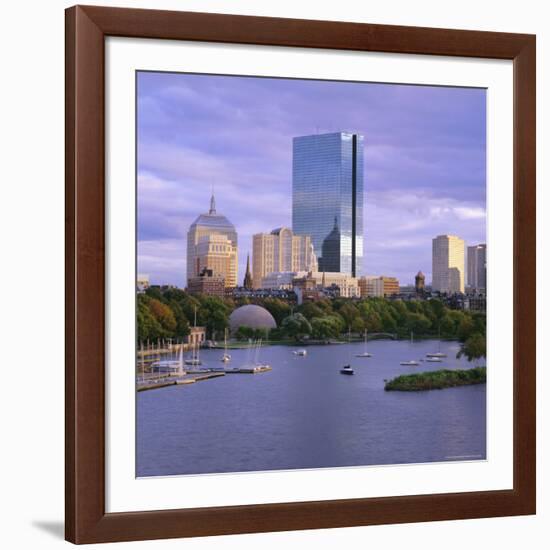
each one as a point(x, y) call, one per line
point(247, 283)
point(212, 245)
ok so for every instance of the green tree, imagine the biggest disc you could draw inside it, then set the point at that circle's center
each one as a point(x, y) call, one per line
point(296, 326)
point(244, 333)
point(278, 308)
point(474, 348)
point(323, 328)
point(349, 313)
point(418, 323)
point(165, 316)
point(148, 327)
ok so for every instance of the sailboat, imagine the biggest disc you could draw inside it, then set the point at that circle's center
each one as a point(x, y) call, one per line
point(365, 352)
point(225, 357)
point(195, 359)
point(437, 355)
point(411, 363)
point(257, 362)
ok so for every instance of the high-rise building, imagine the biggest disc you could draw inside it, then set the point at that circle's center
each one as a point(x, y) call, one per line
point(327, 198)
point(477, 267)
point(279, 251)
point(448, 264)
point(212, 244)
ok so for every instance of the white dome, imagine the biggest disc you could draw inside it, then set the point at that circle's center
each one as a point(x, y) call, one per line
point(251, 316)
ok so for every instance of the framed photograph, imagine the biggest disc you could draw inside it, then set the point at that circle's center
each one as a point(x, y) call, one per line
point(300, 274)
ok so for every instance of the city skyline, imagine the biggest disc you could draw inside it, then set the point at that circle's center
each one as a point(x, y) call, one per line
point(424, 163)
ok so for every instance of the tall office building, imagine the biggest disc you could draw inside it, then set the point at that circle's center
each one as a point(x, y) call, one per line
point(477, 267)
point(327, 198)
point(281, 251)
point(212, 245)
point(448, 264)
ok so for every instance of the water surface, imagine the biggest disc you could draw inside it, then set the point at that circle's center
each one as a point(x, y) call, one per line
point(305, 414)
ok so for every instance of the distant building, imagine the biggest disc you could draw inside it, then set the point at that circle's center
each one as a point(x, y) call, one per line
point(448, 264)
point(349, 286)
point(207, 283)
point(142, 283)
point(420, 283)
point(327, 198)
point(196, 336)
point(477, 267)
point(378, 286)
point(281, 279)
point(212, 244)
point(247, 283)
point(281, 251)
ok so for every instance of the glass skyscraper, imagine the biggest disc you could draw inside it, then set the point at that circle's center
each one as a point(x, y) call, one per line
point(327, 198)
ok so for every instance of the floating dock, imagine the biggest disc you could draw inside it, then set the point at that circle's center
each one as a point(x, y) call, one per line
point(193, 376)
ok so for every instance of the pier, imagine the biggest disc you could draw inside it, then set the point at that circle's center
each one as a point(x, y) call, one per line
point(192, 376)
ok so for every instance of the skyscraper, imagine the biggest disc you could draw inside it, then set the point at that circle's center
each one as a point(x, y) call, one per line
point(212, 244)
point(448, 264)
point(281, 251)
point(477, 267)
point(327, 198)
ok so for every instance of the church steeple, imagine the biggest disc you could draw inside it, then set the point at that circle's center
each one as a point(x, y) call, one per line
point(212, 210)
point(247, 283)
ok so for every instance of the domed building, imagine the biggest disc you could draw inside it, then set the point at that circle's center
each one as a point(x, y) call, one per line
point(212, 245)
point(251, 316)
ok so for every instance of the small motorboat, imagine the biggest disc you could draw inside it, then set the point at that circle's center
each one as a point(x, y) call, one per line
point(347, 369)
point(300, 352)
point(409, 363)
point(434, 359)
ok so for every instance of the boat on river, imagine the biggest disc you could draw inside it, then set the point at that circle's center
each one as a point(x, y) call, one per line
point(412, 362)
point(300, 352)
point(438, 354)
point(225, 357)
point(347, 369)
point(365, 352)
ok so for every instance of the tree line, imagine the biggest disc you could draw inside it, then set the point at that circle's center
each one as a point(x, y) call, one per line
point(169, 313)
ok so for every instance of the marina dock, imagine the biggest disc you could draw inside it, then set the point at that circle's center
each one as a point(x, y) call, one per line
point(193, 376)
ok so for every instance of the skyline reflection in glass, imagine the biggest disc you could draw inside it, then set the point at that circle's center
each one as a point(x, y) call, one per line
point(327, 198)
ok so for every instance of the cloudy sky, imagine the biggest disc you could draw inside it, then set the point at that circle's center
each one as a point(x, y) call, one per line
point(424, 163)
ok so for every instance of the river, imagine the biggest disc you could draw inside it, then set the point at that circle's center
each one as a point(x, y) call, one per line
point(305, 414)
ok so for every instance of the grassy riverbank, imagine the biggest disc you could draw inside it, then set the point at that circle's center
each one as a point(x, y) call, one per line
point(437, 380)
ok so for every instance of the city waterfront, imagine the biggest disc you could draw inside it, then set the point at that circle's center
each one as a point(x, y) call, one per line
point(305, 414)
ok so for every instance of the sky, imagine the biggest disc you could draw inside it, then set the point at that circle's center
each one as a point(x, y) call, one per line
point(424, 163)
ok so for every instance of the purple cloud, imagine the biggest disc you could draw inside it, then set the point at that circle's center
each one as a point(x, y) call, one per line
point(425, 171)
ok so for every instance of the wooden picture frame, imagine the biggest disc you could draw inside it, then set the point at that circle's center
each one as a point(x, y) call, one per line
point(86, 30)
